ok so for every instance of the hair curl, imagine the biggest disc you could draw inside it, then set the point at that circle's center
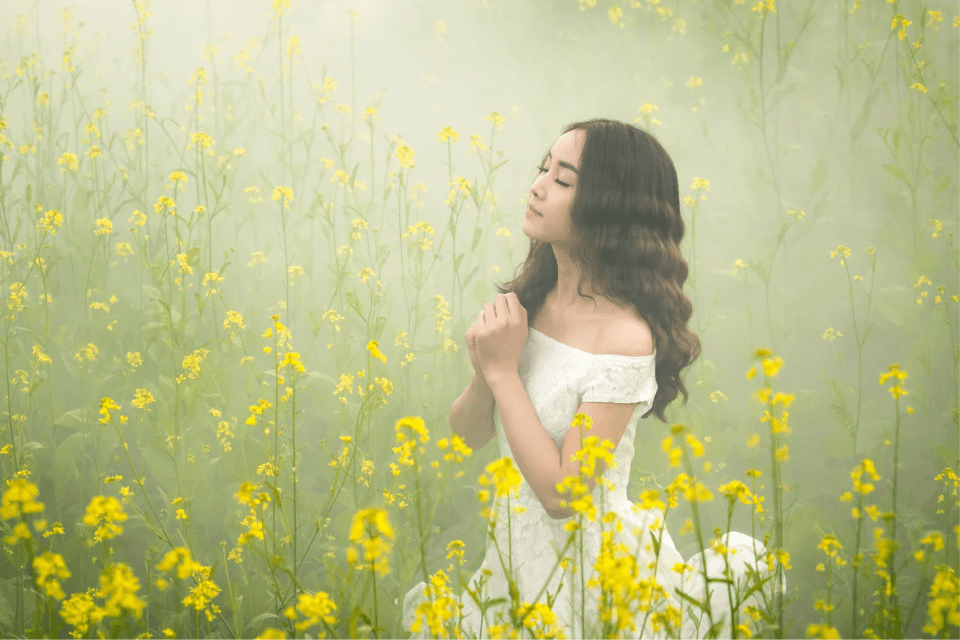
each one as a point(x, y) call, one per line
point(626, 229)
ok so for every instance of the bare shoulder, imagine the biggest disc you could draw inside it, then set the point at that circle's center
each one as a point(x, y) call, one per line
point(627, 335)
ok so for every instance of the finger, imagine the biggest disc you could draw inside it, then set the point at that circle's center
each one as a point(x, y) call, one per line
point(501, 306)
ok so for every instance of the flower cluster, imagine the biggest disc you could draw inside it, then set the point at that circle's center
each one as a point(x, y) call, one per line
point(48, 568)
point(104, 512)
point(370, 526)
point(314, 608)
point(19, 499)
point(437, 608)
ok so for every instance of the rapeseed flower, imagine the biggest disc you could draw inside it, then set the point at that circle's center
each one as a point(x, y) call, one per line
point(437, 608)
point(20, 532)
point(104, 512)
point(373, 523)
point(943, 604)
point(283, 192)
point(18, 499)
point(163, 203)
point(80, 611)
point(314, 608)
point(143, 399)
point(505, 477)
point(51, 220)
point(576, 488)
point(866, 467)
point(405, 155)
point(119, 585)
point(233, 317)
point(201, 597)
point(254, 529)
point(447, 133)
point(106, 406)
point(180, 558)
point(70, 160)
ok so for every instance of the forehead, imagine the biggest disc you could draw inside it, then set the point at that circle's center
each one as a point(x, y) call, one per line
point(568, 147)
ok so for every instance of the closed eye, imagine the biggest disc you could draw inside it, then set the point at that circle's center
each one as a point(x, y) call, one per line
point(563, 184)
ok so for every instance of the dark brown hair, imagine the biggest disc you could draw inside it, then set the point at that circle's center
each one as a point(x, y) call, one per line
point(626, 229)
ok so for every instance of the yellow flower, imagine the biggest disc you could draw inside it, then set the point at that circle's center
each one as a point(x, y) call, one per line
point(119, 585)
point(783, 454)
point(943, 604)
point(314, 608)
point(935, 538)
point(143, 399)
point(18, 499)
point(165, 203)
point(51, 220)
point(180, 558)
point(106, 406)
point(822, 631)
point(233, 317)
point(283, 192)
point(830, 545)
point(104, 512)
point(48, 568)
point(505, 477)
point(370, 526)
point(497, 120)
point(446, 133)
point(405, 155)
point(80, 611)
point(70, 160)
point(104, 226)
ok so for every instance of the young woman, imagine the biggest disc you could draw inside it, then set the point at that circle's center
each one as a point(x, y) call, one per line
point(604, 211)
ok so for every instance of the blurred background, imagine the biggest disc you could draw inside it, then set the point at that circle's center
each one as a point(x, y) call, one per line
point(816, 147)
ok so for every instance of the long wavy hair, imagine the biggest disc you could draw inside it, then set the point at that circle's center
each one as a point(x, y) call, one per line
point(626, 229)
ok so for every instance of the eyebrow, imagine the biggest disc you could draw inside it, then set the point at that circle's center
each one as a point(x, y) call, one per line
point(565, 164)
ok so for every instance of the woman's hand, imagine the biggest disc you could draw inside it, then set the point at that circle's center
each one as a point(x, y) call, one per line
point(501, 336)
point(471, 339)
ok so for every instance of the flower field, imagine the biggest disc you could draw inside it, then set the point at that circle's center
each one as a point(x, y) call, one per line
point(235, 302)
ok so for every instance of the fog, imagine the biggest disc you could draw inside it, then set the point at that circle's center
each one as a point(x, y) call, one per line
point(817, 128)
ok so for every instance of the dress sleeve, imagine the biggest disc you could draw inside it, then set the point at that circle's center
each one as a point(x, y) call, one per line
point(624, 380)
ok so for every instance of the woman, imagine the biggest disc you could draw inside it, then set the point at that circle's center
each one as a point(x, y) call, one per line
point(603, 211)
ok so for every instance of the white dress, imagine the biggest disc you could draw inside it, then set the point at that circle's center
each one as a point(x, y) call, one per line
point(557, 378)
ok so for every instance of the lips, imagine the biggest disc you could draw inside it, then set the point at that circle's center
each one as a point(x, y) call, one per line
point(534, 210)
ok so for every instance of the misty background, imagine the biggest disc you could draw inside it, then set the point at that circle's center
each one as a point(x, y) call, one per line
point(793, 145)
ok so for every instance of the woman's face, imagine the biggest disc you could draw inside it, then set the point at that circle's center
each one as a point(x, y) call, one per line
point(552, 192)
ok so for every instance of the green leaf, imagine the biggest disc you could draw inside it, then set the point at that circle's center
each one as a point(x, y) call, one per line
point(32, 446)
point(897, 172)
point(354, 301)
point(6, 612)
point(477, 234)
point(696, 603)
point(70, 420)
point(261, 618)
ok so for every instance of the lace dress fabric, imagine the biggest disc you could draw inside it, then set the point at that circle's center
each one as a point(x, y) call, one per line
point(558, 378)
